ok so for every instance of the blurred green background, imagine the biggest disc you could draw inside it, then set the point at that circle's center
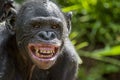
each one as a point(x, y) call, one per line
point(96, 36)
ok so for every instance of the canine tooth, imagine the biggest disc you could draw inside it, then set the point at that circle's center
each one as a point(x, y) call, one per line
point(53, 51)
point(37, 54)
point(37, 51)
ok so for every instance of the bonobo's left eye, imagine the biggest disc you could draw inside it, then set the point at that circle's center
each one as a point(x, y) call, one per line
point(36, 26)
point(54, 26)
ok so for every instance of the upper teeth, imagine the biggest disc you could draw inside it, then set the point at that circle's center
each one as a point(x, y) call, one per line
point(49, 53)
point(45, 51)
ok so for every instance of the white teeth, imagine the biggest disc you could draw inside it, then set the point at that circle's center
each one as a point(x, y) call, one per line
point(44, 52)
point(47, 51)
point(37, 51)
point(41, 51)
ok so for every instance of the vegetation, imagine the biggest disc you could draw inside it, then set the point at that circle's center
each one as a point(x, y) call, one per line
point(96, 36)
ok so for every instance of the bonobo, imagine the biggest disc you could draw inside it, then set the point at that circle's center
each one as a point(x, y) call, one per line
point(35, 45)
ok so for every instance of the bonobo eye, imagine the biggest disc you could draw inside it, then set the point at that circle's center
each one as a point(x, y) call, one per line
point(54, 26)
point(36, 26)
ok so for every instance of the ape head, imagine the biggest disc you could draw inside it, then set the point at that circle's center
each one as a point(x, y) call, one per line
point(41, 29)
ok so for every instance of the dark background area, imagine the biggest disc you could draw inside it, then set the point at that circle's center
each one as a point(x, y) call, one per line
point(96, 36)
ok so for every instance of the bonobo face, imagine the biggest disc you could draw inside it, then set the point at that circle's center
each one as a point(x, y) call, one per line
point(40, 32)
point(45, 45)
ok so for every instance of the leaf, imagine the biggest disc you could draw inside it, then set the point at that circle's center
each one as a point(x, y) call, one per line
point(114, 51)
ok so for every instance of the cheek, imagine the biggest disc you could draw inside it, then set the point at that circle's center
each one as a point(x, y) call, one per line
point(59, 33)
point(22, 45)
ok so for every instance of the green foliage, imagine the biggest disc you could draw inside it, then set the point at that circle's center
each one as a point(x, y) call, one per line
point(114, 51)
point(96, 72)
point(96, 21)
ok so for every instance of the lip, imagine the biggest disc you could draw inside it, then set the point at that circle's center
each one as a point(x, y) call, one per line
point(43, 52)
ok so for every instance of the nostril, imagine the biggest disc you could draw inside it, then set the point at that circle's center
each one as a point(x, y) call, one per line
point(43, 36)
point(53, 35)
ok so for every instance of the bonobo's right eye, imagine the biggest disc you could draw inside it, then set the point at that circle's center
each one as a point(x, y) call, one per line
point(36, 25)
point(54, 26)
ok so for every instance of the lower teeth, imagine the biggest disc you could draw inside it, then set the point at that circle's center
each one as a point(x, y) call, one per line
point(44, 56)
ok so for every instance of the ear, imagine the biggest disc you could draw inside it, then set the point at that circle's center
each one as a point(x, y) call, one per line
point(10, 23)
point(68, 17)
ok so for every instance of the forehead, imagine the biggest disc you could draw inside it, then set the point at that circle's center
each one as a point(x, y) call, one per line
point(45, 21)
point(34, 9)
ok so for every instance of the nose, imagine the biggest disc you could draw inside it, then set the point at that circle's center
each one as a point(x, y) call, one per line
point(47, 35)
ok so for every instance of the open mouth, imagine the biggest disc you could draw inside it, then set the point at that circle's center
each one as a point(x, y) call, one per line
point(43, 51)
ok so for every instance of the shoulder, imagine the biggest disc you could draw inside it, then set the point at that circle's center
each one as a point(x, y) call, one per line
point(71, 53)
point(4, 33)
